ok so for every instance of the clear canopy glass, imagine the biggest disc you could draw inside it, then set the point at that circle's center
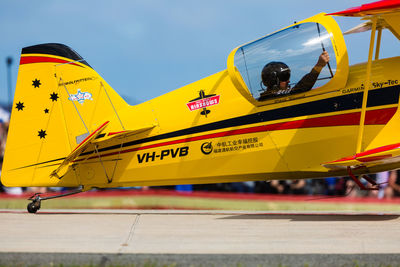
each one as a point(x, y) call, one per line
point(299, 47)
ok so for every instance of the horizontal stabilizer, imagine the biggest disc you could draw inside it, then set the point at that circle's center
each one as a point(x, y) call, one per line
point(123, 134)
point(381, 155)
point(77, 151)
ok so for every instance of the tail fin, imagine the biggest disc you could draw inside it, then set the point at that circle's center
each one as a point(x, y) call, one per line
point(59, 100)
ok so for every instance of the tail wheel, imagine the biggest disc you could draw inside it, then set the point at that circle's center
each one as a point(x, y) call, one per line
point(33, 207)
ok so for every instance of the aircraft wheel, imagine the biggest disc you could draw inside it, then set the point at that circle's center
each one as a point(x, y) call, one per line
point(33, 207)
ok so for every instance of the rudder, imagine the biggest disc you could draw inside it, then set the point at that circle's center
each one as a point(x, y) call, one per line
point(59, 100)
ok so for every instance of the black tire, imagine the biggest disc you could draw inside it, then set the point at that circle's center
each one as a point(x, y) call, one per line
point(32, 207)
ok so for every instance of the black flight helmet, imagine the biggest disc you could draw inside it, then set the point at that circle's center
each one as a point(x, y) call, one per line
point(273, 73)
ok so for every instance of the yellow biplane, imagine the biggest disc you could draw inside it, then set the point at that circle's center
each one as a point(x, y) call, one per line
point(288, 106)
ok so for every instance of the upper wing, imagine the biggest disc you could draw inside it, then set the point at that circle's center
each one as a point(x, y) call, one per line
point(375, 8)
point(367, 26)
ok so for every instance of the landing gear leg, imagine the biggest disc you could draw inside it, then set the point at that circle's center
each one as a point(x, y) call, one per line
point(375, 186)
point(34, 206)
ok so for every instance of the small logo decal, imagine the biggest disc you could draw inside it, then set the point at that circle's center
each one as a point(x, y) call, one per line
point(206, 148)
point(80, 96)
point(202, 102)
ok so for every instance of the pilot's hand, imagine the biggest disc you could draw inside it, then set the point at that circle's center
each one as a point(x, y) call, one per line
point(323, 59)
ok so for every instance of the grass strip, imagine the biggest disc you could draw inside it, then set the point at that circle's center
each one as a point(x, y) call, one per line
point(171, 202)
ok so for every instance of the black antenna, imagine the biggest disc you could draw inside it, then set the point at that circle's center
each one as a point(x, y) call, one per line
point(9, 62)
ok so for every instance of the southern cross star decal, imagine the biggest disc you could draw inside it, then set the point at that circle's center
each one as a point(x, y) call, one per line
point(42, 134)
point(46, 111)
point(20, 106)
point(36, 83)
point(54, 96)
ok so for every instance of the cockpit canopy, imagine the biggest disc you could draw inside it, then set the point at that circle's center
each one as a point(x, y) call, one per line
point(299, 47)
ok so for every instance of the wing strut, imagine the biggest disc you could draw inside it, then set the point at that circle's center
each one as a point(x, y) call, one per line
point(122, 143)
point(102, 164)
point(109, 99)
point(367, 86)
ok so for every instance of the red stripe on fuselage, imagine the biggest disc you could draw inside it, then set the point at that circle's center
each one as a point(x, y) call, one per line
point(29, 60)
point(379, 116)
point(373, 117)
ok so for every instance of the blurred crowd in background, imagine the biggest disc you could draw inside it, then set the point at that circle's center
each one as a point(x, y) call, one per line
point(389, 186)
point(389, 182)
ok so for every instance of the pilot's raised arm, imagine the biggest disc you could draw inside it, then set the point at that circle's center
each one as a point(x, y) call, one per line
point(276, 78)
point(308, 80)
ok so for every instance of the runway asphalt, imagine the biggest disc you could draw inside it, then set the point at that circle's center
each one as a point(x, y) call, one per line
point(111, 237)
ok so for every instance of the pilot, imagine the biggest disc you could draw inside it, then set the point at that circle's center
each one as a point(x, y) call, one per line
point(276, 77)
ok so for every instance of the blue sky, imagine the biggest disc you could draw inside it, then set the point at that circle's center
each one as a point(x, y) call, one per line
point(144, 49)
